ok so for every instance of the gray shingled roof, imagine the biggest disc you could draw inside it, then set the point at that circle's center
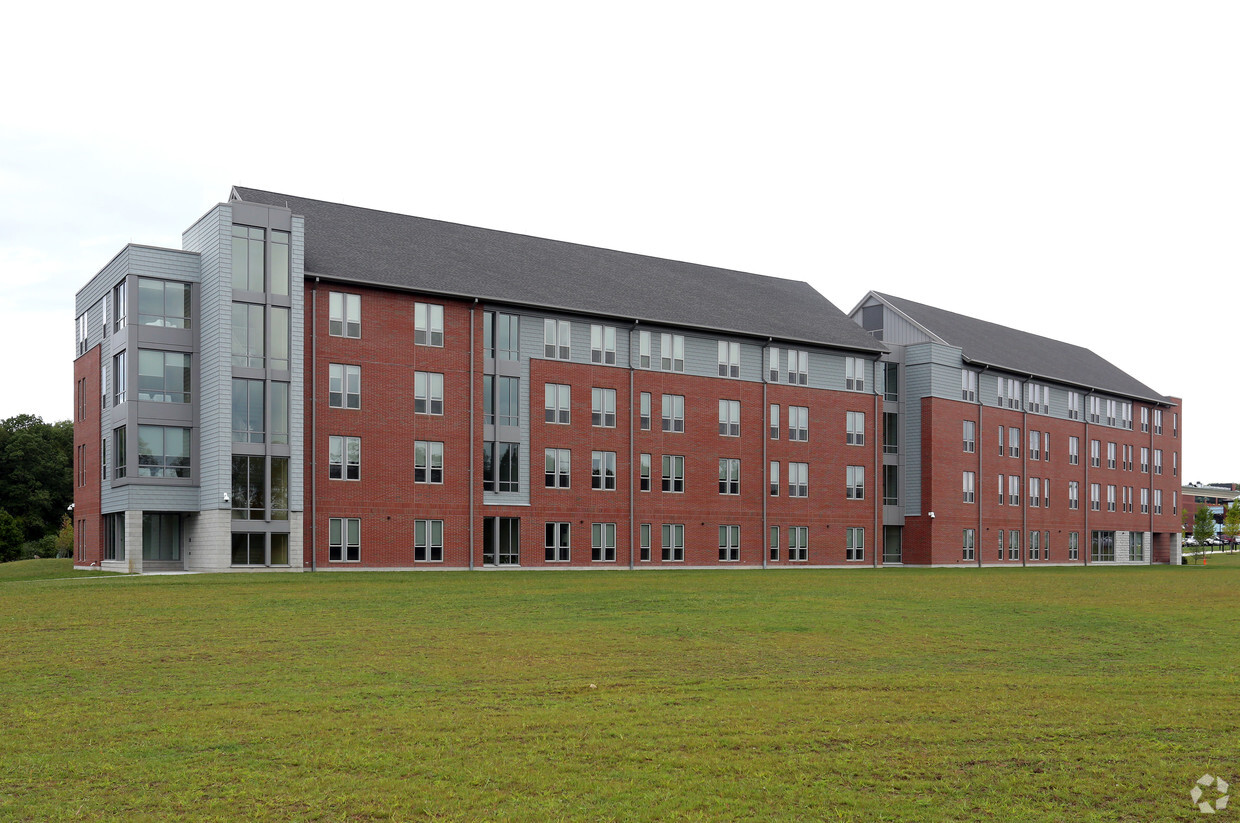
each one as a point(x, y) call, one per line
point(350, 243)
point(1021, 352)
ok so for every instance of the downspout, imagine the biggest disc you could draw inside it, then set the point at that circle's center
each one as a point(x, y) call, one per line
point(879, 468)
point(1085, 444)
point(1024, 470)
point(632, 500)
point(766, 466)
point(472, 312)
point(1151, 499)
point(314, 427)
point(977, 449)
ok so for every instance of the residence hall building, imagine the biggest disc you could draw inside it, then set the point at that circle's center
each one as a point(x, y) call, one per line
point(310, 385)
point(1004, 447)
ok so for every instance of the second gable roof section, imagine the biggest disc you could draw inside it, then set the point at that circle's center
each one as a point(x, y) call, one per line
point(1022, 353)
point(350, 243)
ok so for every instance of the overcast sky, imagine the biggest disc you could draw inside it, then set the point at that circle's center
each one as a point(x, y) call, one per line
point(1067, 168)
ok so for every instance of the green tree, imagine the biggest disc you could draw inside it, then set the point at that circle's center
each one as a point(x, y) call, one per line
point(1231, 520)
point(36, 472)
point(10, 537)
point(1203, 524)
point(64, 538)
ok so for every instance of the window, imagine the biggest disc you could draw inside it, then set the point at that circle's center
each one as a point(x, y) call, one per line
point(1035, 546)
point(1175, 424)
point(729, 476)
point(344, 386)
point(798, 543)
point(1157, 501)
point(1095, 409)
point(970, 436)
point(774, 421)
point(855, 428)
point(119, 451)
point(1074, 490)
point(163, 377)
point(603, 543)
point(643, 352)
point(729, 544)
point(644, 472)
point(279, 354)
point(968, 545)
point(428, 541)
point(1110, 455)
point(1074, 545)
point(798, 479)
point(854, 373)
point(774, 547)
point(1145, 419)
point(891, 485)
point(427, 461)
point(1013, 545)
point(891, 437)
point(344, 314)
point(1001, 446)
point(855, 483)
point(103, 458)
point(557, 339)
point(119, 376)
point(1037, 398)
point(603, 471)
point(774, 478)
point(1174, 502)
point(344, 458)
point(1008, 393)
point(501, 541)
point(344, 539)
point(558, 542)
point(1035, 444)
point(673, 473)
point(119, 301)
point(1126, 498)
point(1095, 453)
point(1145, 501)
point(1001, 544)
point(558, 466)
point(603, 408)
point(673, 413)
point(1157, 461)
point(891, 383)
point(1111, 406)
point(1158, 426)
point(1145, 460)
point(1095, 497)
point(1102, 547)
point(249, 487)
point(644, 542)
point(999, 486)
point(427, 324)
point(1126, 458)
point(279, 413)
point(1046, 446)
point(1013, 442)
point(730, 418)
point(969, 482)
point(247, 336)
point(1013, 489)
point(558, 402)
point(645, 411)
point(854, 544)
point(772, 364)
point(248, 259)
point(1110, 497)
point(1074, 448)
point(729, 359)
point(674, 542)
point(504, 408)
point(799, 369)
point(428, 395)
point(1035, 493)
point(1125, 416)
point(1136, 546)
point(968, 385)
point(603, 344)
point(798, 423)
point(161, 303)
point(163, 451)
point(1074, 405)
point(500, 335)
point(672, 352)
point(501, 467)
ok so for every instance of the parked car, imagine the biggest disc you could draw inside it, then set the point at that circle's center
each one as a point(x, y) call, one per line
point(1191, 541)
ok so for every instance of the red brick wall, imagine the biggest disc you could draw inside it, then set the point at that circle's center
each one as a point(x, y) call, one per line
point(87, 479)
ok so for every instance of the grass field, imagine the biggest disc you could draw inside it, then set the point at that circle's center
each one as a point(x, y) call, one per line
point(1007, 695)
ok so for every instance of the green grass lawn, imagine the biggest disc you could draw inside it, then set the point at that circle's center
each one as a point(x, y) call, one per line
point(1004, 695)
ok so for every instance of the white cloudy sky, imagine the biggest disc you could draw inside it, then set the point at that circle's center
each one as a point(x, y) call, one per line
point(1068, 168)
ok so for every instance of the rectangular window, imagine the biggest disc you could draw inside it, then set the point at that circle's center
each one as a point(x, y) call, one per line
point(1175, 424)
point(729, 544)
point(891, 485)
point(968, 385)
point(855, 483)
point(557, 400)
point(248, 336)
point(162, 303)
point(854, 424)
point(774, 544)
point(428, 541)
point(1110, 455)
point(427, 461)
point(344, 314)
point(1126, 457)
point(1145, 460)
point(673, 413)
point(774, 478)
point(798, 479)
point(643, 352)
point(1035, 493)
point(163, 451)
point(603, 542)
point(673, 473)
point(1157, 461)
point(1035, 444)
point(854, 546)
point(854, 373)
point(729, 475)
point(119, 377)
point(1013, 489)
point(1046, 446)
point(558, 542)
point(891, 437)
point(603, 408)
point(1002, 498)
point(970, 436)
point(344, 458)
point(344, 539)
point(798, 423)
point(968, 545)
point(1145, 419)
point(644, 541)
point(891, 383)
point(501, 467)
point(645, 411)
point(1074, 448)
point(798, 544)
point(729, 359)
point(248, 256)
point(730, 418)
point(280, 341)
point(557, 339)
point(1102, 547)
point(427, 324)
point(507, 403)
point(1136, 546)
point(1013, 545)
point(118, 449)
point(603, 344)
point(1095, 453)
point(501, 541)
point(1013, 442)
point(798, 368)
point(1002, 447)
point(969, 482)
point(163, 376)
point(603, 471)
point(1095, 497)
point(645, 469)
point(428, 395)
point(1037, 398)
point(103, 458)
point(1074, 405)
point(1157, 501)
point(1145, 501)
point(119, 303)
point(249, 487)
point(1074, 545)
point(500, 335)
point(673, 542)
point(672, 352)
point(774, 421)
point(772, 364)
point(1110, 497)
point(1158, 424)
point(1074, 491)
point(1035, 546)
point(558, 466)
point(1111, 407)
point(344, 386)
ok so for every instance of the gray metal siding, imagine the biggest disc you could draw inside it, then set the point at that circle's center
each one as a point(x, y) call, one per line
point(297, 393)
point(899, 332)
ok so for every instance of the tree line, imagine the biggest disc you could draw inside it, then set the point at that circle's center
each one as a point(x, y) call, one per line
point(36, 488)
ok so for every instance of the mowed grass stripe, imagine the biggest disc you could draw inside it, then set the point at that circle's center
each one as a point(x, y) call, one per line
point(900, 694)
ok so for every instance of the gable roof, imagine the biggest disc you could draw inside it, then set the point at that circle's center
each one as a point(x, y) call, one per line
point(350, 243)
point(1020, 352)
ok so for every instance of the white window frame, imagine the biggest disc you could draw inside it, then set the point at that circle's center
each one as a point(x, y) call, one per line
point(855, 483)
point(729, 359)
point(558, 403)
point(729, 475)
point(344, 315)
point(729, 544)
point(602, 344)
point(428, 393)
point(603, 408)
point(344, 457)
point(854, 544)
point(428, 324)
point(729, 418)
point(557, 339)
point(673, 413)
point(603, 471)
